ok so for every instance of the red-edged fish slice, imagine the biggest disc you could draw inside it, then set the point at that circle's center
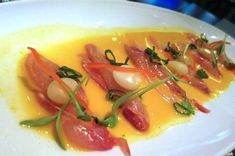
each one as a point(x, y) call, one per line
point(87, 135)
point(190, 77)
point(216, 44)
point(197, 83)
point(133, 110)
point(141, 60)
point(212, 46)
point(223, 59)
point(204, 63)
point(228, 63)
point(199, 106)
point(33, 70)
point(42, 81)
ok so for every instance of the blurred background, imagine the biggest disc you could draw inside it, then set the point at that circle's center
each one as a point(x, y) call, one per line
point(220, 13)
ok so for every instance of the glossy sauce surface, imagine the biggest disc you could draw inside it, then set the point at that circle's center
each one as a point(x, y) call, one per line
point(161, 113)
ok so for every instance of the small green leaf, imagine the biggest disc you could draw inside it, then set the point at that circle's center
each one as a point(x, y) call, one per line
point(172, 51)
point(187, 105)
point(38, 122)
point(67, 72)
point(203, 37)
point(192, 46)
point(214, 59)
point(184, 108)
point(221, 48)
point(153, 56)
point(202, 74)
point(180, 109)
point(110, 121)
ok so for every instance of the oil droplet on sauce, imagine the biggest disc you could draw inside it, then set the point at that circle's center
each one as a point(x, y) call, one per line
point(69, 53)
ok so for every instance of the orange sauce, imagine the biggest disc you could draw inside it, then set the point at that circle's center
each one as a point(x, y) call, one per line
point(161, 114)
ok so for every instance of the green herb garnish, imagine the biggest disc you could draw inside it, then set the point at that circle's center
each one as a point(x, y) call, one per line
point(110, 121)
point(66, 72)
point(39, 122)
point(214, 59)
point(192, 46)
point(202, 74)
point(172, 75)
point(203, 37)
point(85, 117)
point(59, 129)
point(112, 60)
point(227, 62)
point(184, 108)
point(153, 56)
point(46, 120)
point(221, 48)
point(172, 51)
point(79, 109)
point(114, 94)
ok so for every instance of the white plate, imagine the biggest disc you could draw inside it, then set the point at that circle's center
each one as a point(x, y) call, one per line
point(212, 134)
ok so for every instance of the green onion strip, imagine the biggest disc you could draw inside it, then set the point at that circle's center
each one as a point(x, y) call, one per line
point(138, 92)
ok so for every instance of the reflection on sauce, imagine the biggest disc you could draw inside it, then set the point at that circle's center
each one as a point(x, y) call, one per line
point(69, 53)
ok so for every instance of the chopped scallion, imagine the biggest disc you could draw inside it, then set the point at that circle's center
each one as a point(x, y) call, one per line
point(39, 122)
point(66, 72)
point(110, 121)
point(202, 74)
point(184, 108)
point(138, 92)
point(203, 37)
point(112, 59)
point(153, 56)
point(172, 51)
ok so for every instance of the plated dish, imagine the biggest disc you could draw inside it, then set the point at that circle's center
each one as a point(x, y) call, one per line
point(52, 42)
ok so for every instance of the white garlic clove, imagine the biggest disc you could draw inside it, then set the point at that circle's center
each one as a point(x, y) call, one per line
point(127, 80)
point(57, 94)
point(177, 67)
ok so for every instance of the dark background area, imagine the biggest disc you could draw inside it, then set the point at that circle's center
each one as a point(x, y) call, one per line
point(219, 13)
point(220, 8)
